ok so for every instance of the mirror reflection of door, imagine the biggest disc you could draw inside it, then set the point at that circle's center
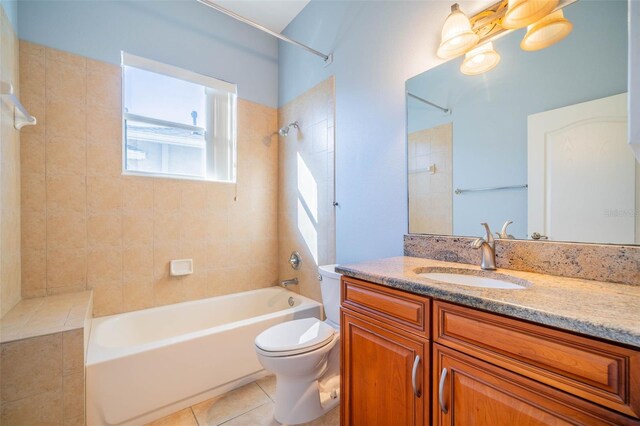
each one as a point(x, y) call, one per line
point(582, 150)
point(430, 180)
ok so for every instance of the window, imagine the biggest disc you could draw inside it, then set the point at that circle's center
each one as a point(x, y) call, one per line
point(177, 123)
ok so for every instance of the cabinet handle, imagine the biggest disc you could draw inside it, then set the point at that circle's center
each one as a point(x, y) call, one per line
point(443, 376)
point(416, 362)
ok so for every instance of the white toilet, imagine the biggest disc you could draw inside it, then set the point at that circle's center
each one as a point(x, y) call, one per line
point(304, 355)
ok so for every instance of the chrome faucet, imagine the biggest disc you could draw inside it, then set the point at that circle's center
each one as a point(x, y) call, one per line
point(286, 283)
point(488, 247)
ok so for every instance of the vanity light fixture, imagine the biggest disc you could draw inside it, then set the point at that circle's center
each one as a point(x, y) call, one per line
point(457, 35)
point(521, 13)
point(480, 60)
point(461, 34)
point(547, 31)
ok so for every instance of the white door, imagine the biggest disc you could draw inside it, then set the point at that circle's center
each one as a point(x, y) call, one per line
point(582, 174)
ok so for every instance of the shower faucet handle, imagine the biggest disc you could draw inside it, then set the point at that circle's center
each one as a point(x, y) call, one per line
point(295, 260)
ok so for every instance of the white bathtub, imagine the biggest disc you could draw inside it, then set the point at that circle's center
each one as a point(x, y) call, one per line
point(146, 364)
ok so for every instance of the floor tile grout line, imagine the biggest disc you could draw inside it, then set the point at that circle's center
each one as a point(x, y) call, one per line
point(193, 413)
point(242, 414)
point(265, 392)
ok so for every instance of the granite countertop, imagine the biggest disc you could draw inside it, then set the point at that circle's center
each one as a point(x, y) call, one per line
point(599, 309)
point(46, 315)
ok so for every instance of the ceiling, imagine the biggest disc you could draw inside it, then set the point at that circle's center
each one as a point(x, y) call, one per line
point(273, 14)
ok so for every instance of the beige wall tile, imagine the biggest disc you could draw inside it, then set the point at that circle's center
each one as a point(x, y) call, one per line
point(60, 55)
point(73, 395)
point(137, 229)
point(166, 227)
point(66, 119)
point(104, 194)
point(28, 48)
point(107, 300)
point(104, 160)
point(104, 229)
point(168, 290)
point(34, 230)
point(196, 286)
point(133, 226)
point(137, 263)
point(31, 366)
point(66, 156)
point(136, 295)
point(137, 194)
point(104, 266)
point(194, 226)
point(32, 158)
point(65, 81)
point(104, 126)
point(34, 273)
point(166, 195)
point(41, 409)
point(33, 192)
point(198, 251)
point(32, 74)
point(66, 268)
point(36, 106)
point(194, 197)
point(66, 230)
point(219, 254)
point(162, 255)
point(66, 193)
point(73, 352)
point(104, 85)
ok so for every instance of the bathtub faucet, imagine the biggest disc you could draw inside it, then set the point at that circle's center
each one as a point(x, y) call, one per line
point(286, 283)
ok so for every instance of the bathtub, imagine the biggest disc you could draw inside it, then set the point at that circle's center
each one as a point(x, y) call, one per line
point(146, 364)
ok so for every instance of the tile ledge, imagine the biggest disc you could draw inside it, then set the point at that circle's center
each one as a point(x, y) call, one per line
point(26, 319)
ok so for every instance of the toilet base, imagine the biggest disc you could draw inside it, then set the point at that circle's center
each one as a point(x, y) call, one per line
point(298, 402)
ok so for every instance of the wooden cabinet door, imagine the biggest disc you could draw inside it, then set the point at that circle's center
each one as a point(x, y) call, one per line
point(468, 392)
point(379, 370)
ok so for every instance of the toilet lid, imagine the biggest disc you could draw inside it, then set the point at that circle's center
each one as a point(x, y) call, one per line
point(307, 333)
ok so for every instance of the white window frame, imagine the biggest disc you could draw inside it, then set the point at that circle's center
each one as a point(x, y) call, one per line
point(212, 163)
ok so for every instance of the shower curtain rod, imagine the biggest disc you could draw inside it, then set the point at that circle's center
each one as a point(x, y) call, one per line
point(445, 110)
point(327, 58)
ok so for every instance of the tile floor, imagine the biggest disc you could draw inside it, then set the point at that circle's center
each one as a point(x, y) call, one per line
point(250, 405)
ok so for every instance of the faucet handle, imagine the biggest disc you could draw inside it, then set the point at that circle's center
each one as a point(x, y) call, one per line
point(477, 243)
point(504, 235)
point(489, 237)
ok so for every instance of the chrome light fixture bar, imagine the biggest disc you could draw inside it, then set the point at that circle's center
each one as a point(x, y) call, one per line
point(327, 58)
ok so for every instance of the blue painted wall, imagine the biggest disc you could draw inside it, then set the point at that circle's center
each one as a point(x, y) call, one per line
point(377, 46)
point(11, 9)
point(489, 111)
point(183, 33)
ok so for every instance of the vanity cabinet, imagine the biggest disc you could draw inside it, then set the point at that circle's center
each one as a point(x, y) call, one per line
point(486, 369)
point(468, 391)
point(385, 356)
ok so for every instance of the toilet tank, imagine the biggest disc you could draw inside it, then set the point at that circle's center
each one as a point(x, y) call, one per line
point(330, 288)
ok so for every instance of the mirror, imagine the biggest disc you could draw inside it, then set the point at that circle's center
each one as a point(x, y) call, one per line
point(540, 140)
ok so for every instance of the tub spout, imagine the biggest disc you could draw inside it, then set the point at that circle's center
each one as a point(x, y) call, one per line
point(286, 283)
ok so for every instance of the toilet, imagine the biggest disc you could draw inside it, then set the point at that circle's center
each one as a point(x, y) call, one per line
point(304, 355)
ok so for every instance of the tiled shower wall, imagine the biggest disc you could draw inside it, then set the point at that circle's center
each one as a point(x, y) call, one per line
point(9, 173)
point(85, 226)
point(306, 215)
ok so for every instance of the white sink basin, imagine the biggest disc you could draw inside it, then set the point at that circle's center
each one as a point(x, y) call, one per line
point(472, 279)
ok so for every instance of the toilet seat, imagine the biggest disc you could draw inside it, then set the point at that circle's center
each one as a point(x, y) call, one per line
point(294, 337)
